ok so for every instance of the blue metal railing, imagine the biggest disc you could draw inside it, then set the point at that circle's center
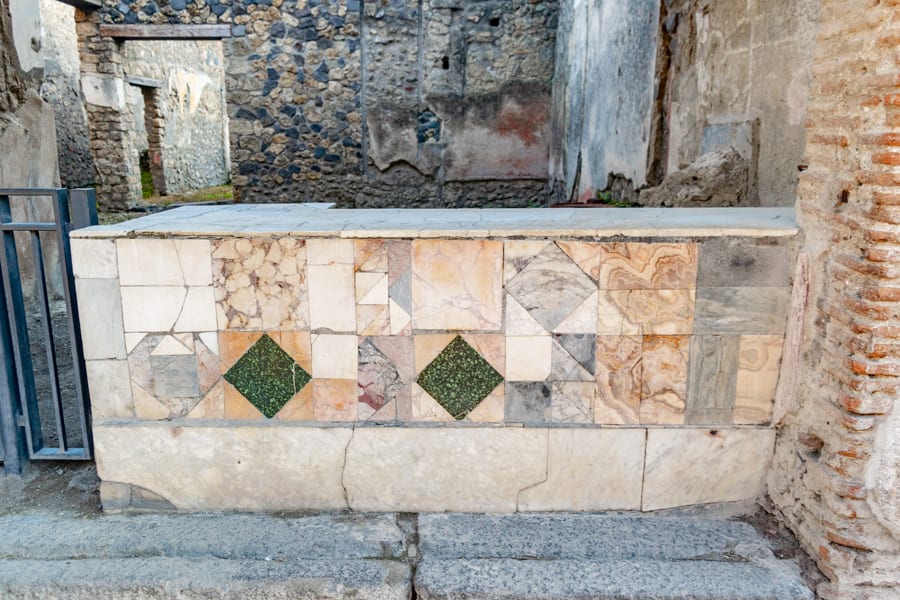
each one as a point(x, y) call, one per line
point(21, 430)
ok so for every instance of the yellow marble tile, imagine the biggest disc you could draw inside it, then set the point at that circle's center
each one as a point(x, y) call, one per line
point(233, 345)
point(213, 404)
point(427, 347)
point(636, 266)
point(456, 285)
point(491, 409)
point(664, 375)
point(759, 361)
point(237, 407)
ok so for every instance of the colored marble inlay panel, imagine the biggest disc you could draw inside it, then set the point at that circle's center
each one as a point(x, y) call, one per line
point(640, 266)
point(456, 285)
point(664, 374)
point(459, 378)
point(261, 284)
point(619, 374)
point(267, 376)
point(646, 312)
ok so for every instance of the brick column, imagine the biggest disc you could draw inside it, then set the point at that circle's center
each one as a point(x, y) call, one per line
point(116, 169)
point(836, 472)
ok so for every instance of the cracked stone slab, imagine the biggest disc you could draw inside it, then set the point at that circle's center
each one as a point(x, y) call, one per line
point(515, 579)
point(204, 578)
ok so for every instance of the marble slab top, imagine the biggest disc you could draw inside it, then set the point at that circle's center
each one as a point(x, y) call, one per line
point(320, 220)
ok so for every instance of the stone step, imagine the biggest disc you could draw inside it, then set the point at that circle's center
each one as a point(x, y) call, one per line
point(516, 579)
point(573, 556)
point(203, 578)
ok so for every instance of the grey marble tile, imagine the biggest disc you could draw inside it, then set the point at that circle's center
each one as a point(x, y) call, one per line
point(712, 376)
point(745, 262)
point(527, 402)
point(741, 310)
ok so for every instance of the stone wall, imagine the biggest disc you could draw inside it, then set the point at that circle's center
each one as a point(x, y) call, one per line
point(190, 102)
point(339, 100)
point(61, 87)
point(835, 475)
point(744, 66)
point(603, 94)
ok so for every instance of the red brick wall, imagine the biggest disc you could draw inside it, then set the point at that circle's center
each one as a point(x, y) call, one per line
point(849, 362)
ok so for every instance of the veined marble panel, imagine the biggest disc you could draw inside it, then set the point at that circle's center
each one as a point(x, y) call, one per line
point(758, 369)
point(646, 312)
point(619, 378)
point(639, 266)
point(456, 285)
point(664, 373)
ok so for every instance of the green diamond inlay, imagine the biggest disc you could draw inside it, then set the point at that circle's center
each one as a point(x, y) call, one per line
point(459, 378)
point(267, 376)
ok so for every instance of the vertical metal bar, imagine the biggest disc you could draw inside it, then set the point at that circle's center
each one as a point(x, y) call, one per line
point(50, 344)
point(83, 204)
point(61, 212)
point(14, 452)
point(9, 262)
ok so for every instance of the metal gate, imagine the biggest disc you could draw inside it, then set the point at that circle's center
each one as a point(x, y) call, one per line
point(44, 406)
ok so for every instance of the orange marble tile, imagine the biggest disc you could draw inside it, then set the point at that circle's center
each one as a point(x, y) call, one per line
point(491, 347)
point(297, 344)
point(213, 404)
point(664, 375)
point(619, 372)
point(759, 361)
point(427, 347)
point(233, 345)
point(586, 255)
point(491, 409)
point(335, 399)
point(645, 312)
point(298, 408)
point(237, 407)
point(640, 266)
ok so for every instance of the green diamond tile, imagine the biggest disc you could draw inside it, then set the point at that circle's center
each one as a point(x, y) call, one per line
point(459, 378)
point(267, 376)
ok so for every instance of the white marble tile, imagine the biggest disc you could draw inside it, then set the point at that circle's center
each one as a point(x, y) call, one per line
point(94, 259)
point(199, 310)
point(132, 340)
point(702, 466)
point(146, 407)
point(100, 311)
point(332, 301)
point(528, 358)
point(195, 259)
point(589, 470)
point(110, 387)
point(148, 262)
point(440, 469)
point(169, 346)
point(334, 356)
point(210, 339)
point(583, 319)
point(228, 468)
point(399, 318)
point(519, 321)
point(152, 308)
point(329, 252)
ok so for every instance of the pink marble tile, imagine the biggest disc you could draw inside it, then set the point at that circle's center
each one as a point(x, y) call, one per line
point(456, 285)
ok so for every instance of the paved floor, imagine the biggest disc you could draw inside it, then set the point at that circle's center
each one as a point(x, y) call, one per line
point(71, 551)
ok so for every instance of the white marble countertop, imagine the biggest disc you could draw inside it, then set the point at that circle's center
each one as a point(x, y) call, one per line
point(319, 220)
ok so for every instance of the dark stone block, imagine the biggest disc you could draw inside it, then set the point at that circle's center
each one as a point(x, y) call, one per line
point(743, 262)
point(238, 30)
point(319, 152)
point(178, 4)
point(277, 30)
point(333, 158)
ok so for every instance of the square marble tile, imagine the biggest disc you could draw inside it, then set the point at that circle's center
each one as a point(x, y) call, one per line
point(152, 308)
point(335, 399)
point(330, 252)
point(528, 402)
point(334, 356)
point(456, 285)
point(94, 259)
point(528, 358)
point(161, 262)
point(552, 289)
point(759, 365)
point(619, 376)
point(646, 312)
point(664, 373)
point(641, 266)
point(261, 284)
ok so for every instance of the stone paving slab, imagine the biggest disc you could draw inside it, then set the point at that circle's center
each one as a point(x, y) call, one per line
point(245, 537)
point(152, 578)
point(583, 536)
point(513, 579)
